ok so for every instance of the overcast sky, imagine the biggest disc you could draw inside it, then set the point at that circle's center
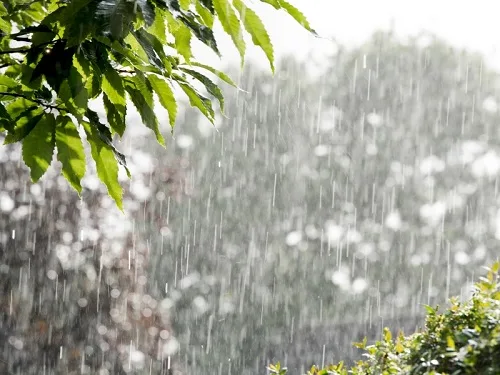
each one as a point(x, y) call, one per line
point(464, 23)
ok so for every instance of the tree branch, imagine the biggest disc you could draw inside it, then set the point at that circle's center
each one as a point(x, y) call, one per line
point(14, 50)
point(37, 101)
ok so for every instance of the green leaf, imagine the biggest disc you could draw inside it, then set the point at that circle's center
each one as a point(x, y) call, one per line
point(106, 163)
point(71, 11)
point(105, 134)
point(70, 152)
point(256, 29)
point(24, 126)
point(38, 146)
point(205, 14)
point(145, 111)
point(184, 4)
point(5, 119)
point(198, 101)
point(211, 87)
point(231, 25)
point(387, 334)
point(183, 41)
point(165, 95)
point(8, 82)
point(158, 27)
point(203, 33)
point(216, 72)
point(296, 14)
point(112, 85)
point(115, 114)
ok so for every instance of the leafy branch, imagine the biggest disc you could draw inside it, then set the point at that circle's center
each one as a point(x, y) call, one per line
point(114, 52)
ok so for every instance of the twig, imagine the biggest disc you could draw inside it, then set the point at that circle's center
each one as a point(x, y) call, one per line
point(14, 50)
point(37, 101)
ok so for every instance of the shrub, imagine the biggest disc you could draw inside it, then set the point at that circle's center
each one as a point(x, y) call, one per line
point(464, 339)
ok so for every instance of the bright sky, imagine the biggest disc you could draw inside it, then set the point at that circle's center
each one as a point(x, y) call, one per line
point(464, 23)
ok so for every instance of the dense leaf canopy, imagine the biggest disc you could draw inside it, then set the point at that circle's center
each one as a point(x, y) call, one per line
point(56, 56)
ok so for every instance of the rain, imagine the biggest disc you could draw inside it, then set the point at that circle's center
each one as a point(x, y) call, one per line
point(332, 199)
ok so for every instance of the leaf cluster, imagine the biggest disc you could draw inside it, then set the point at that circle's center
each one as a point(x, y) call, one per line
point(59, 56)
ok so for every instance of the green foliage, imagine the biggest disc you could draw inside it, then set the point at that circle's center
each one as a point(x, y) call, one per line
point(464, 339)
point(56, 56)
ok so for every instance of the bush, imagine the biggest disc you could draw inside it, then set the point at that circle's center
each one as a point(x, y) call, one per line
point(465, 339)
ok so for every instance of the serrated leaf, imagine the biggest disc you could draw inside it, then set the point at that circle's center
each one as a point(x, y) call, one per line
point(38, 146)
point(106, 164)
point(146, 112)
point(5, 26)
point(158, 27)
point(8, 82)
point(105, 134)
point(183, 41)
point(5, 119)
point(208, 4)
point(205, 14)
point(24, 126)
point(231, 25)
point(198, 101)
point(203, 33)
point(216, 72)
point(165, 95)
point(211, 87)
point(115, 114)
point(256, 29)
point(112, 85)
point(296, 14)
point(70, 152)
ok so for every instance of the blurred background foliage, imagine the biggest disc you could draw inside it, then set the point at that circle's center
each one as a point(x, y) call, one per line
point(321, 208)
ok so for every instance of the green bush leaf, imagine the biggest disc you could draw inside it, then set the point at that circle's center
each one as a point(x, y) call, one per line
point(231, 25)
point(38, 146)
point(256, 29)
point(106, 163)
point(165, 95)
point(70, 152)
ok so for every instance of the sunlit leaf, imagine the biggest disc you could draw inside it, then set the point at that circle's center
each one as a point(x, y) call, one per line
point(146, 112)
point(296, 14)
point(256, 29)
point(216, 72)
point(198, 101)
point(106, 163)
point(115, 114)
point(112, 85)
point(70, 152)
point(38, 146)
point(165, 95)
point(231, 24)
point(211, 87)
